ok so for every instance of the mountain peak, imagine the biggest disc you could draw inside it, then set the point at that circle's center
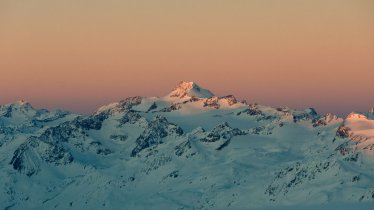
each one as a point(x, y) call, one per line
point(18, 104)
point(353, 116)
point(189, 89)
point(22, 102)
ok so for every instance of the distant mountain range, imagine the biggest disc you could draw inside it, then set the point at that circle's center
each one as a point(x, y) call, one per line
point(187, 150)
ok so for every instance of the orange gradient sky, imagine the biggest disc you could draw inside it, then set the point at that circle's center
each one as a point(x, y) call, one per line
point(80, 54)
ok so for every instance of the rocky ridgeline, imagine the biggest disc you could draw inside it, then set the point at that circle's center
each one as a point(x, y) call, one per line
point(215, 151)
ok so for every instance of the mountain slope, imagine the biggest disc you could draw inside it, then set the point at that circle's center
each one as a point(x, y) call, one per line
point(187, 150)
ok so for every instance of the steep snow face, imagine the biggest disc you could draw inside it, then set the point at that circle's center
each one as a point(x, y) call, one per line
point(189, 89)
point(20, 110)
point(184, 152)
point(360, 125)
point(359, 130)
point(21, 118)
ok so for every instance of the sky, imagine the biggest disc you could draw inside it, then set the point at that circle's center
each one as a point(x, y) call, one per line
point(80, 54)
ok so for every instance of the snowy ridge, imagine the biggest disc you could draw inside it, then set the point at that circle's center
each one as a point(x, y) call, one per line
point(188, 150)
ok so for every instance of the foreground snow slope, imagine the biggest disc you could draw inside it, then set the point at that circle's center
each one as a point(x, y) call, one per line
point(187, 150)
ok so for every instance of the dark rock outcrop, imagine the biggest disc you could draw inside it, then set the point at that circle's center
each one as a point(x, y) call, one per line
point(153, 135)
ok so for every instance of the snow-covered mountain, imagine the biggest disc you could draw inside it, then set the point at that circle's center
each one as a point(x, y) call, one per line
point(189, 89)
point(187, 150)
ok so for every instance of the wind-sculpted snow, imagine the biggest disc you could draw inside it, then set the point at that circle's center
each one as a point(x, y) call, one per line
point(187, 150)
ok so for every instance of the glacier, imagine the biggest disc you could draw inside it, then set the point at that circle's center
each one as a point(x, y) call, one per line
point(189, 149)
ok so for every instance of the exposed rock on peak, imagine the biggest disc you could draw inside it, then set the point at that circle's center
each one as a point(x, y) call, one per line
point(212, 102)
point(325, 120)
point(219, 102)
point(354, 115)
point(189, 89)
point(307, 114)
point(252, 110)
point(231, 100)
point(22, 112)
point(121, 106)
point(22, 103)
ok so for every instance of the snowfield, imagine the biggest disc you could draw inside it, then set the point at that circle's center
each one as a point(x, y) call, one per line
point(187, 150)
